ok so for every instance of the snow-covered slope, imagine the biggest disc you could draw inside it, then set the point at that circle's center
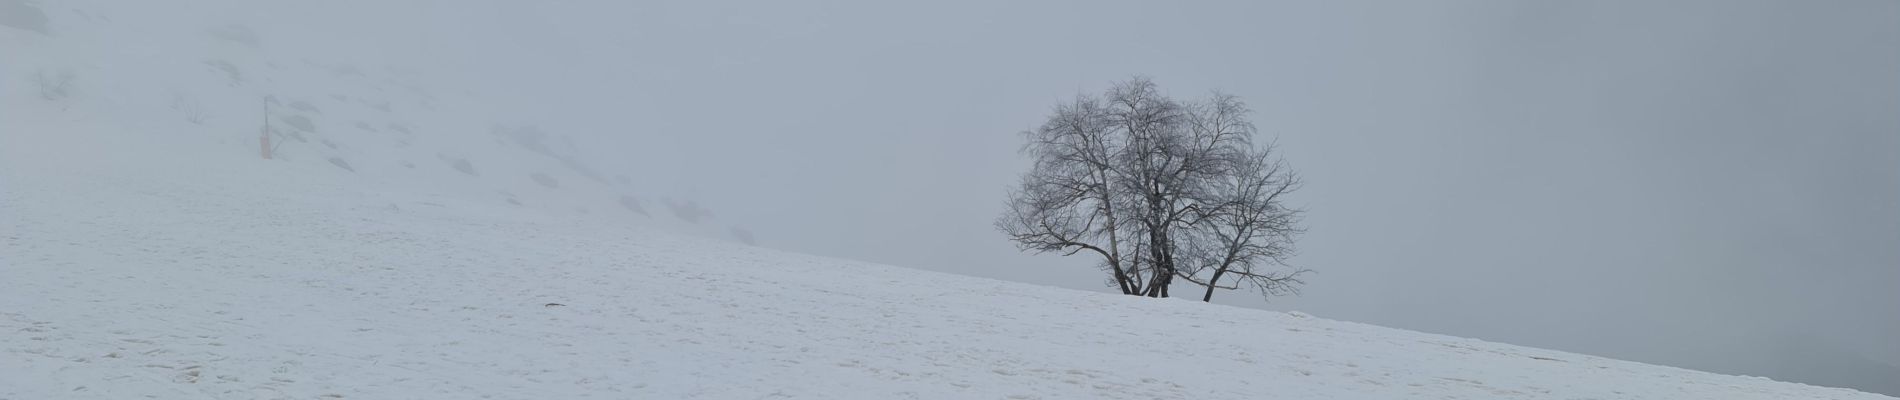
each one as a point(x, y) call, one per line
point(208, 79)
point(132, 271)
point(147, 251)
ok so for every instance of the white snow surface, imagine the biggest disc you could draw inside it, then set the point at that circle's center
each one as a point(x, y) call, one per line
point(135, 272)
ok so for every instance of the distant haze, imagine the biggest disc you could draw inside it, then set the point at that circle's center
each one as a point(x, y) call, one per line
point(1706, 184)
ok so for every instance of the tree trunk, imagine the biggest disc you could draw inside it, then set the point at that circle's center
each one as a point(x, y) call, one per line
point(1158, 285)
point(1121, 278)
point(1209, 297)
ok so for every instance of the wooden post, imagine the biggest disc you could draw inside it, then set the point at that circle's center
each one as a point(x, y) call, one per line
point(263, 137)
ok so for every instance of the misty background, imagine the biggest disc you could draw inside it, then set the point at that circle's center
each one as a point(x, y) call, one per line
point(1707, 184)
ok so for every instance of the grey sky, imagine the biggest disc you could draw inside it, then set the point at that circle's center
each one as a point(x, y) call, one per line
point(1707, 184)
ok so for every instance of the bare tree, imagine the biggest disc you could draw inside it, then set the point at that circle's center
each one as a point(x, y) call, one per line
point(1070, 200)
point(1158, 189)
point(1249, 232)
point(1245, 233)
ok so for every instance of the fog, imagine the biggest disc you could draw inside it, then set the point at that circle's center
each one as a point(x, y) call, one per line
point(1707, 184)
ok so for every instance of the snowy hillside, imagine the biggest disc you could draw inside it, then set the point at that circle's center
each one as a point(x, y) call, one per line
point(209, 83)
point(146, 274)
point(394, 247)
